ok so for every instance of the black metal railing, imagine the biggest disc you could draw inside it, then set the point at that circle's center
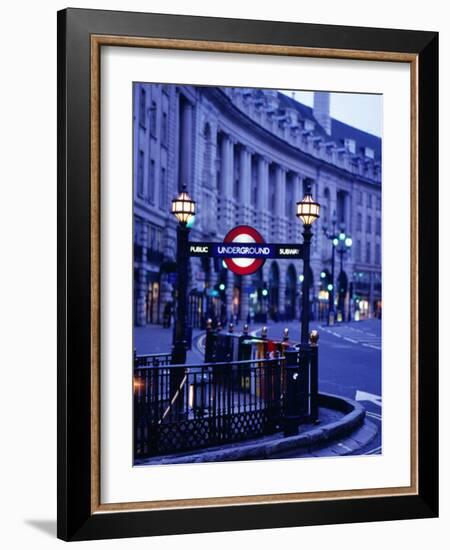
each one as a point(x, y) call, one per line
point(179, 407)
point(232, 346)
point(152, 359)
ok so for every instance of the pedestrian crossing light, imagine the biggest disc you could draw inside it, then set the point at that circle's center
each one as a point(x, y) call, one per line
point(183, 207)
point(307, 209)
point(265, 292)
point(222, 287)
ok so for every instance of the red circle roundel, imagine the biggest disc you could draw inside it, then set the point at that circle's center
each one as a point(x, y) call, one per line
point(243, 234)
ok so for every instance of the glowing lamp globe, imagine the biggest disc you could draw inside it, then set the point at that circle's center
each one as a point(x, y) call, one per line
point(183, 207)
point(307, 209)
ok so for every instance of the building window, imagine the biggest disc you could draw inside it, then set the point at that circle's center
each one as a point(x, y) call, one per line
point(207, 154)
point(369, 200)
point(368, 224)
point(140, 174)
point(151, 182)
point(137, 230)
point(350, 145)
point(154, 238)
point(142, 102)
point(359, 222)
point(163, 189)
point(378, 203)
point(164, 130)
point(254, 188)
point(340, 206)
point(358, 250)
point(378, 226)
point(151, 237)
point(369, 153)
point(377, 253)
point(153, 115)
point(236, 174)
point(360, 198)
point(368, 252)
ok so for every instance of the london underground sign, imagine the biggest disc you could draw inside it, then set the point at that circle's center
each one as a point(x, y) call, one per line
point(244, 251)
point(248, 245)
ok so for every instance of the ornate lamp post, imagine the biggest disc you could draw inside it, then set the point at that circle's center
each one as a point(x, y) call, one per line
point(297, 361)
point(183, 208)
point(333, 237)
point(308, 212)
point(343, 246)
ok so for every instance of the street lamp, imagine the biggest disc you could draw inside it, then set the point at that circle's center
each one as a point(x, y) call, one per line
point(297, 361)
point(183, 208)
point(343, 246)
point(308, 212)
point(334, 238)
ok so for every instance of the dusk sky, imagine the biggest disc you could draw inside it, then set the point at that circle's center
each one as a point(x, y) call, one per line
point(364, 111)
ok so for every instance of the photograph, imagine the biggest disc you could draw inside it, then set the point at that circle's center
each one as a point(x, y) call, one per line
point(257, 274)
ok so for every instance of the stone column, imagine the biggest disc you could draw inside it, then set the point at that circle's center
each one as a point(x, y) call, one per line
point(141, 283)
point(226, 182)
point(280, 201)
point(186, 137)
point(263, 194)
point(245, 184)
point(282, 290)
point(297, 189)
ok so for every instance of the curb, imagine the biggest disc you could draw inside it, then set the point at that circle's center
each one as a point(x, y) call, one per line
point(312, 439)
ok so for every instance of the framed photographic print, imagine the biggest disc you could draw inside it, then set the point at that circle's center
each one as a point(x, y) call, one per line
point(247, 274)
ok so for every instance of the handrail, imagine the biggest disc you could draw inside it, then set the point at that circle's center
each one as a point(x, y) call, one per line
point(222, 364)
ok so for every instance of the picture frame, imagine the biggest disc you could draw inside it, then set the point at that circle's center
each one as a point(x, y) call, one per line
point(81, 35)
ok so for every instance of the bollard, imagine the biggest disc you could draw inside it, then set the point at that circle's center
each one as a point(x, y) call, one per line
point(314, 376)
point(264, 333)
point(286, 335)
point(245, 330)
point(231, 328)
point(292, 406)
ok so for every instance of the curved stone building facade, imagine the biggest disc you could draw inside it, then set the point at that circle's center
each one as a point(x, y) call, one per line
point(246, 156)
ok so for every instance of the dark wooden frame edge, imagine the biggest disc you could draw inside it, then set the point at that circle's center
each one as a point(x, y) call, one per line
point(75, 519)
